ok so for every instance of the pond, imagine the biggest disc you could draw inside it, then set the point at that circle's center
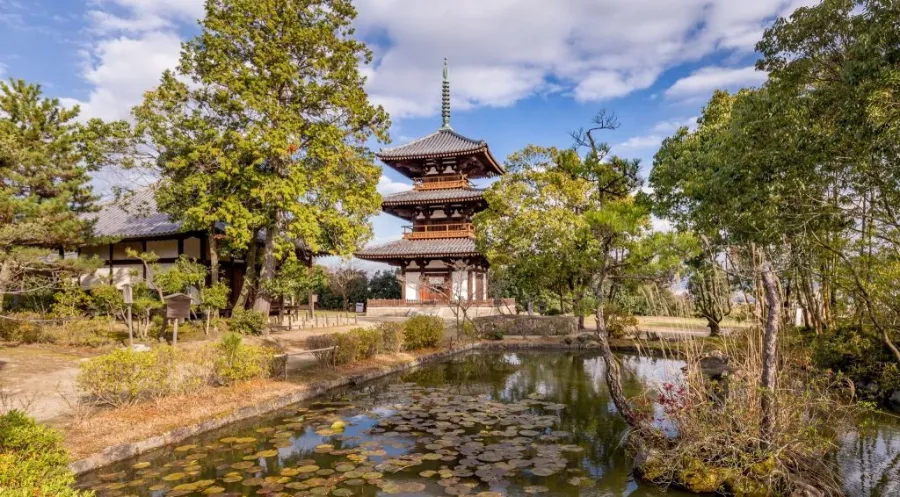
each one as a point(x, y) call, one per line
point(483, 424)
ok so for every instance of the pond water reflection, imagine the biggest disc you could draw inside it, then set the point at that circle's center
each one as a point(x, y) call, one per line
point(494, 424)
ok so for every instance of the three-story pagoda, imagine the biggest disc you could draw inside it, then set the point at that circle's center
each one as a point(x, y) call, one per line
point(437, 254)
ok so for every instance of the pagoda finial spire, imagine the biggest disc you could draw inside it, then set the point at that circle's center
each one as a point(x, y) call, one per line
point(445, 100)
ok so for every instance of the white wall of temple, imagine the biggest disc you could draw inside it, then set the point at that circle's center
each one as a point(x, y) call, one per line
point(122, 274)
point(412, 285)
point(462, 283)
point(163, 248)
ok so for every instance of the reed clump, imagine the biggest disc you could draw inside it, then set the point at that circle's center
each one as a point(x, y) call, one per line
point(702, 429)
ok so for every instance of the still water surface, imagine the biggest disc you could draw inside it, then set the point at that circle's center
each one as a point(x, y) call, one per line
point(497, 424)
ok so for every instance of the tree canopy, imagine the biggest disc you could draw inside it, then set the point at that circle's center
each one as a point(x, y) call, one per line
point(269, 136)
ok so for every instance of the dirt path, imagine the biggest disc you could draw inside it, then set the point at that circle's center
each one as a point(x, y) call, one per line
point(39, 379)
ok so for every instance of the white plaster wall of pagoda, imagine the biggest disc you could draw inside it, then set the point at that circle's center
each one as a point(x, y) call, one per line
point(442, 311)
point(412, 286)
point(484, 288)
point(460, 284)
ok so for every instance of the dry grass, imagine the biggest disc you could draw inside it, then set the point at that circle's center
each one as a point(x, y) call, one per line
point(712, 438)
point(83, 437)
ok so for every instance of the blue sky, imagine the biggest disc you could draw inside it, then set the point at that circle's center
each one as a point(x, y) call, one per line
point(522, 71)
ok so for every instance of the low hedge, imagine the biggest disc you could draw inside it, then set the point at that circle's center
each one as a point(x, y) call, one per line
point(125, 376)
point(422, 332)
point(391, 336)
point(364, 343)
point(37, 328)
point(32, 460)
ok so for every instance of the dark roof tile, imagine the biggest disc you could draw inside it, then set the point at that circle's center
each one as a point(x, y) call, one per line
point(418, 197)
point(442, 141)
point(134, 217)
point(409, 249)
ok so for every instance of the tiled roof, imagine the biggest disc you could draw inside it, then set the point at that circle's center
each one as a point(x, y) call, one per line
point(444, 141)
point(408, 249)
point(135, 217)
point(418, 197)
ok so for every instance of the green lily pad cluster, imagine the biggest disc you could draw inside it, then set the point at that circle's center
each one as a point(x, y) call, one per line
point(419, 441)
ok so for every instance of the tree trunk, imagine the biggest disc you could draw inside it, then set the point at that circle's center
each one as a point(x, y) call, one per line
point(249, 276)
point(263, 303)
point(213, 257)
point(5, 276)
point(714, 329)
point(613, 376)
point(770, 350)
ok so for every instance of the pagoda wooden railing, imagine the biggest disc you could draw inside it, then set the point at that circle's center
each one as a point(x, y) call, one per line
point(442, 182)
point(440, 230)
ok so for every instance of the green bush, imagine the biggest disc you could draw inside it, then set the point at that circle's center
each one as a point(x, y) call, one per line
point(247, 322)
point(236, 361)
point(37, 328)
point(349, 348)
point(860, 354)
point(391, 336)
point(125, 376)
point(80, 333)
point(20, 329)
point(32, 460)
point(371, 342)
point(420, 332)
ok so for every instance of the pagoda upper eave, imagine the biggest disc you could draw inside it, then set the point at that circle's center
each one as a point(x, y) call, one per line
point(426, 197)
point(439, 147)
point(421, 249)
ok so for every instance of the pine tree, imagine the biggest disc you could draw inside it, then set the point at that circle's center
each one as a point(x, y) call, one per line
point(270, 136)
point(45, 159)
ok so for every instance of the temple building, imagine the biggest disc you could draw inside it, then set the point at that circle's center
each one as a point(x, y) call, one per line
point(437, 256)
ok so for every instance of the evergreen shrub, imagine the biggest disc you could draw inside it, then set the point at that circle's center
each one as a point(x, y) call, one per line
point(33, 462)
point(391, 336)
point(422, 332)
point(247, 322)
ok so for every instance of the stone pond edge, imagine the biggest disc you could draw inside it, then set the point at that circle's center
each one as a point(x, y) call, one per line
point(121, 452)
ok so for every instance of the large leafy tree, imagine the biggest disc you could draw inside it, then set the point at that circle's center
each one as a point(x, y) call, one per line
point(800, 175)
point(269, 137)
point(385, 285)
point(574, 221)
point(46, 156)
point(838, 65)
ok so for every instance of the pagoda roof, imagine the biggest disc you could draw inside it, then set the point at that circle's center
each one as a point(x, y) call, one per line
point(415, 197)
point(442, 143)
point(413, 249)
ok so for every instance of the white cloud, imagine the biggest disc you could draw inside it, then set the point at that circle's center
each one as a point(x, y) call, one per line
point(133, 42)
point(707, 79)
point(640, 142)
point(500, 51)
point(123, 68)
point(505, 50)
point(670, 125)
point(387, 186)
point(143, 15)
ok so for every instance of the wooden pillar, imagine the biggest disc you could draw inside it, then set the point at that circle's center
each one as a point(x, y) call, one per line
point(111, 276)
point(403, 285)
point(469, 276)
point(144, 251)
